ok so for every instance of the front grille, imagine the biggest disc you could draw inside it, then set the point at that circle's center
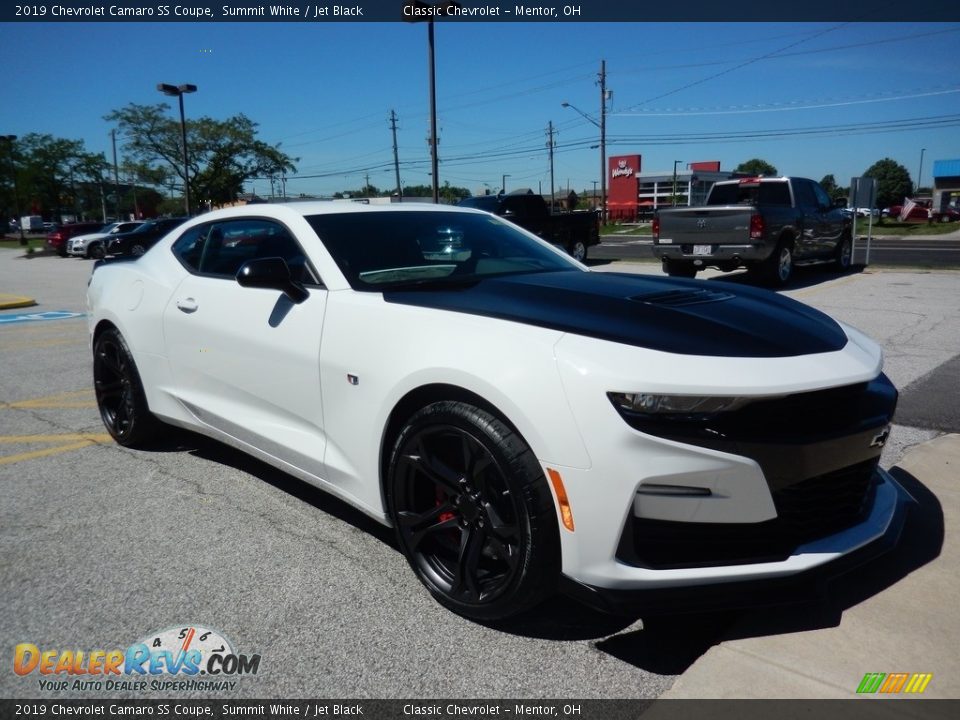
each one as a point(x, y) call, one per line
point(806, 511)
point(824, 505)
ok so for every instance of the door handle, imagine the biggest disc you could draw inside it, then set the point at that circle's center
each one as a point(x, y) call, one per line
point(187, 305)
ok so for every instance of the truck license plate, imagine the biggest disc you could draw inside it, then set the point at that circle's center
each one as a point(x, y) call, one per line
point(703, 249)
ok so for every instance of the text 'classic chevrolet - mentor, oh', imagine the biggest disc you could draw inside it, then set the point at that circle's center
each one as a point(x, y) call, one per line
point(526, 425)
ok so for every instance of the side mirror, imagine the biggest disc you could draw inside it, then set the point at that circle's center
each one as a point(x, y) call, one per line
point(271, 273)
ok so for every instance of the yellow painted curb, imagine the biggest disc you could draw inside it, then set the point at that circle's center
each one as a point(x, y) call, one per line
point(9, 302)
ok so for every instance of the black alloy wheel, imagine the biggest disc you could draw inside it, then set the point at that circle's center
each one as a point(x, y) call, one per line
point(120, 397)
point(96, 251)
point(472, 511)
point(138, 249)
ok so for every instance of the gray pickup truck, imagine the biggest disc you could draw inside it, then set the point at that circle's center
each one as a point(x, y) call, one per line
point(765, 224)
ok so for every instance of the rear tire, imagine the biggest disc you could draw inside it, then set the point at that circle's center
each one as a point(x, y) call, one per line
point(778, 268)
point(472, 511)
point(119, 392)
point(578, 251)
point(679, 269)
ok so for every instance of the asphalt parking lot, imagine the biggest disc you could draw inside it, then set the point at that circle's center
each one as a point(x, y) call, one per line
point(102, 546)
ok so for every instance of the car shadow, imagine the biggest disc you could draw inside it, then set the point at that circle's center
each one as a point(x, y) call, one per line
point(179, 441)
point(665, 643)
point(670, 644)
point(804, 276)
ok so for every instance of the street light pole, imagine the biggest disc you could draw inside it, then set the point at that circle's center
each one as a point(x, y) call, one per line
point(180, 91)
point(415, 11)
point(674, 199)
point(9, 140)
point(503, 184)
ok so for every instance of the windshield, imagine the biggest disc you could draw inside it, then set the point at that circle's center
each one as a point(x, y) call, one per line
point(380, 249)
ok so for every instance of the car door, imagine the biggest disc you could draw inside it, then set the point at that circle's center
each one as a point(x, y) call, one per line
point(832, 222)
point(812, 221)
point(246, 360)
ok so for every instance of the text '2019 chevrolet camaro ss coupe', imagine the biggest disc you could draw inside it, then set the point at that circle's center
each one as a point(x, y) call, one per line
point(526, 425)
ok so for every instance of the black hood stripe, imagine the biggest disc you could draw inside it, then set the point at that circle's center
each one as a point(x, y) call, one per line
point(736, 322)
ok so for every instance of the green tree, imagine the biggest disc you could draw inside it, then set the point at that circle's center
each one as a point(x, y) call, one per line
point(222, 154)
point(893, 182)
point(756, 166)
point(58, 176)
point(451, 194)
point(829, 183)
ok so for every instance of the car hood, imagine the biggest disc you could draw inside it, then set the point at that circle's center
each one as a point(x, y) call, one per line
point(690, 317)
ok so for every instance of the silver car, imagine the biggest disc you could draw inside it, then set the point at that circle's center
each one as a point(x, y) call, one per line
point(92, 244)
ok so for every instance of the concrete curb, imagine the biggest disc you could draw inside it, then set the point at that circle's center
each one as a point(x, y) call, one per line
point(10, 302)
point(896, 615)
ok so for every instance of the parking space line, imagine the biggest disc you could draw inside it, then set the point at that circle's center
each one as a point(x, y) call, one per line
point(65, 443)
point(71, 399)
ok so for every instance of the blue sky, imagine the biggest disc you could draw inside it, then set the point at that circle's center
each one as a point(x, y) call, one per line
point(680, 92)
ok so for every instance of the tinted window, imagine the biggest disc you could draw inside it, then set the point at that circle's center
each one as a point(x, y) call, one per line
point(221, 249)
point(376, 249)
point(822, 198)
point(755, 193)
point(805, 195)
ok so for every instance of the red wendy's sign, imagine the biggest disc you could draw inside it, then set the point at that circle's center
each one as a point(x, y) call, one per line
point(622, 190)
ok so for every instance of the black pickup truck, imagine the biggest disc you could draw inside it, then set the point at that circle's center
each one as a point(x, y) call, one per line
point(574, 231)
point(765, 224)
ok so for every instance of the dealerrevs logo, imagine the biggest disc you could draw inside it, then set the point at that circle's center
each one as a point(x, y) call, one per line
point(184, 653)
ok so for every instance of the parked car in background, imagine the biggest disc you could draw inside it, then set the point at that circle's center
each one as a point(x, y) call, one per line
point(91, 245)
point(137, 242)
point(573, 231)
point(58, 237)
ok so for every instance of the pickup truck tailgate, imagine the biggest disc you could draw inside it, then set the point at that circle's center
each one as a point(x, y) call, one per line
point(718, 225)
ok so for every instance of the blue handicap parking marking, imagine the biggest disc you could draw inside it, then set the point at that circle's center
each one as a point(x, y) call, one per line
point(34, 317)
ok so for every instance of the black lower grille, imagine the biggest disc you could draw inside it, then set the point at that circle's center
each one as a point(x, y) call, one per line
point(806, 511)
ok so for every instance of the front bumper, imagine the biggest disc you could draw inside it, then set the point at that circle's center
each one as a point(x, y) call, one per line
point(812, 568)
point(713, 504)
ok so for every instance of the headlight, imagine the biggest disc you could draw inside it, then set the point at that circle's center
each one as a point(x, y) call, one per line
point(675, 405)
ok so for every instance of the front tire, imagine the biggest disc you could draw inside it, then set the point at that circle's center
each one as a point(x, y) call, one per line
point(844, 255)
point(119, 392)
point(473, 513)
point(96, 251)
point(137, 249)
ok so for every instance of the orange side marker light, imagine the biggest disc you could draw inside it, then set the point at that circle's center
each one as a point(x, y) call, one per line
point(566, 514)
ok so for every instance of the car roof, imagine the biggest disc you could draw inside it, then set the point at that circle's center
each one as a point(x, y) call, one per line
point(328, 207)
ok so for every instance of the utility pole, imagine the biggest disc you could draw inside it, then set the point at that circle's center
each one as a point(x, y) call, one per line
point(116, 177)
point(366, 186)
point(603, 141)
point(396, 157)
point(550, 144)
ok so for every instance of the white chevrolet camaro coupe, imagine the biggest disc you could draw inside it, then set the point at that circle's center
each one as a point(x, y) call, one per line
point(526, 425)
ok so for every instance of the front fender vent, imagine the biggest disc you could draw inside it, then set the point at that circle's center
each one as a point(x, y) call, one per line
point(684, 297)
